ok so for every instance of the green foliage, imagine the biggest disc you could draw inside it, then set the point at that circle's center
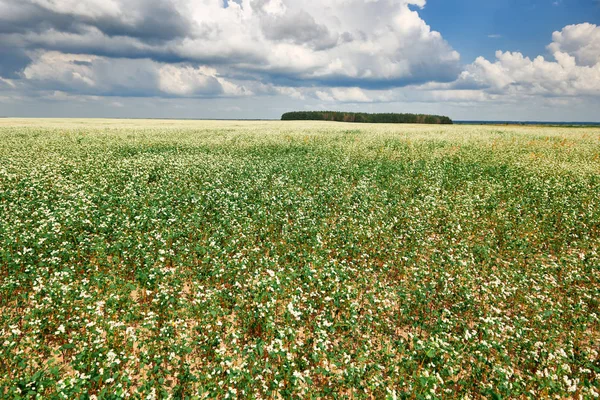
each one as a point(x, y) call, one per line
point(149, 259)
point(385, 118)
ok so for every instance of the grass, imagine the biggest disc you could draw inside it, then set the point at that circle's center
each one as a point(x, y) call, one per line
point(144, 259)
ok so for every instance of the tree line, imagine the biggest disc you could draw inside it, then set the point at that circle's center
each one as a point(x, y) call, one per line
point(383, 118)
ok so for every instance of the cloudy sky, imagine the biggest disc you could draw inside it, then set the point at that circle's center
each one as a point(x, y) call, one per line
point(469, 59)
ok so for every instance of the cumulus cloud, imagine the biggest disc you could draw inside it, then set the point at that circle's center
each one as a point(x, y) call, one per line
point(571, 73)
point(580, 41)
point(186, 81)
point(352, 43)
point(95, 75)
point(327, 51)
point(373, 44)
point(574, 69)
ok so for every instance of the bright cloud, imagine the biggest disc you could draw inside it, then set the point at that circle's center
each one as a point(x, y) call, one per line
point(574, 69)
point(310, 52)
point(88, 74)
point(353, 43)
point(580, 41)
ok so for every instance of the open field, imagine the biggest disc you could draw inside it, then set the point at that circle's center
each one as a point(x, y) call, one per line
point(298, 259)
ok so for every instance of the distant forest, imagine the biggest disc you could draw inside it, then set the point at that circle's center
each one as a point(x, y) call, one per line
point(389, 118)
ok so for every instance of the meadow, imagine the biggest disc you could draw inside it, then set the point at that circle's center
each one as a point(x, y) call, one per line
point(199, 259)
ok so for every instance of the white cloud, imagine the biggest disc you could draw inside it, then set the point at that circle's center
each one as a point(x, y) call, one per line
point(90, 75)
point(294, 93)
point(580, 41)
point(186, 81)
point(350, 95)
point(574, 70)
point(324, 96)
point(349, 52)
point(331, 42)
point(512, 78)
point(63, 68)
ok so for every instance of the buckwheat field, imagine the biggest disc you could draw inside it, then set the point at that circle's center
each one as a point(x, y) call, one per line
point(264, 260)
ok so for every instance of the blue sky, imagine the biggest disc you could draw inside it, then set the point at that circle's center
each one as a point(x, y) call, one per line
point(523, 25)
point(477, 60)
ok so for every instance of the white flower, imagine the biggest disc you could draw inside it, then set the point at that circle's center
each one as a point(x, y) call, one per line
point(111, 356)
point(298, 375)
point(292, 311)
point(152, 395)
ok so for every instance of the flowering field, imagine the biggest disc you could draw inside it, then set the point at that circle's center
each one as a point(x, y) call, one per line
point(148, 259)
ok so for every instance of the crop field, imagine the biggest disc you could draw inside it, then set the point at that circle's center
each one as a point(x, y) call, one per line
point(265, 260)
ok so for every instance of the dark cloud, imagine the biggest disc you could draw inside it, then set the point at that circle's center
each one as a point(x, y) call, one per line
point(85, 63)
point(299, 28)
point(156, 21)
point(12, 62)
point(160, 21)
point(420, 77)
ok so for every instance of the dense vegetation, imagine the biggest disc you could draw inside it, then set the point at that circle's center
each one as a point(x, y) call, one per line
point(389, 118)
point(298, 260)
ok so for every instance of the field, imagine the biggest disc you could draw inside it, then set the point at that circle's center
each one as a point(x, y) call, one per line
point(144, 259)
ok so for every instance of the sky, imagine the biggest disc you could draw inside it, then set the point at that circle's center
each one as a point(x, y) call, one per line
point(517, 60)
